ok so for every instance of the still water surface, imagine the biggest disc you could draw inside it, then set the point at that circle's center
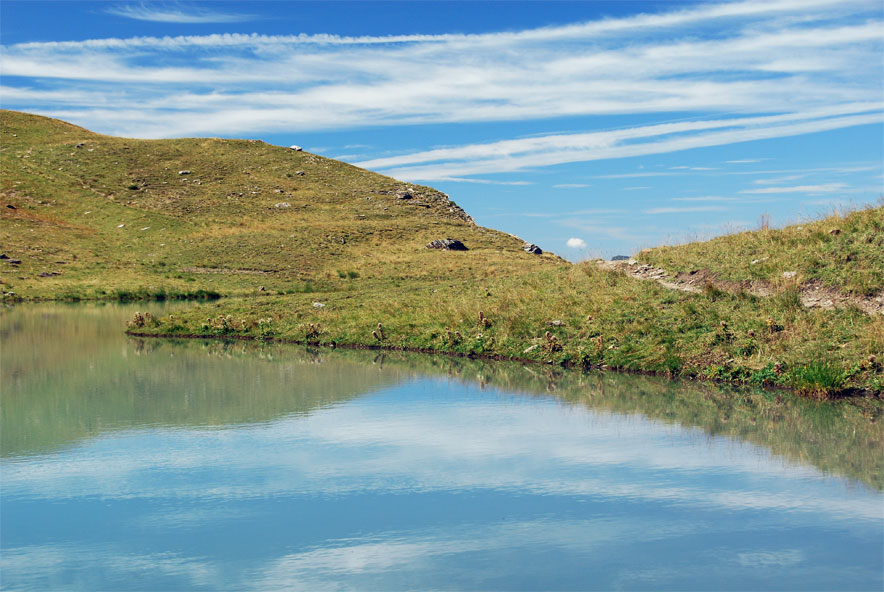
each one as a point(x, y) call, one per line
point(152, 464)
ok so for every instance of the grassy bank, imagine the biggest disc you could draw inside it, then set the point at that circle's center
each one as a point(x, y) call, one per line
point(312, 250)
point(578, 315)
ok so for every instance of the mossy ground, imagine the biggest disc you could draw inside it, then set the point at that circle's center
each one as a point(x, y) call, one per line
point(100, 217)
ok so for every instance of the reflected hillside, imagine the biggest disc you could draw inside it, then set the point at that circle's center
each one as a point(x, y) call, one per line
point(843, 438)
point(68, 373)
point(72, 374)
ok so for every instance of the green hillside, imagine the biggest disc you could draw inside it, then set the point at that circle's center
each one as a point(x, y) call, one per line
point(311, 250)
point(92, 216)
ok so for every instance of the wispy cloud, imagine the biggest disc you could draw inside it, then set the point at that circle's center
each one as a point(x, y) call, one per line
point(793, 57)
point(571, 185)
point(528, 153)
point(682, 210)
point(180, 14)
point(705, 198)
point(824, 188)
point(744, 161)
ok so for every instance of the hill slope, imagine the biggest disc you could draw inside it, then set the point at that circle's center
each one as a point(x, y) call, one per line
point(340, 254)
point(91, 216)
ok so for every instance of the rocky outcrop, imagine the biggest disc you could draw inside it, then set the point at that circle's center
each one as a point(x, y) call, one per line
point(447, 244)
point(532, 248)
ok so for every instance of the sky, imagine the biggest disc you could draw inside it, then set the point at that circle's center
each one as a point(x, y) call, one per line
point(588, 128)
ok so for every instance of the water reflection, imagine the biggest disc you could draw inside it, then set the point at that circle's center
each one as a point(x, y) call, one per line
point(157, 464)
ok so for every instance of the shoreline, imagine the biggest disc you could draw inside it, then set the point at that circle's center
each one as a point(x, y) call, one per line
point(849, 393)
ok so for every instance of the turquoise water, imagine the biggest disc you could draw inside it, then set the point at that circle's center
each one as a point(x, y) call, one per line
point(150, 464)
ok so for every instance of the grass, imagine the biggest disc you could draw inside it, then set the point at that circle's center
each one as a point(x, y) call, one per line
point(842, 252)
point(345, 264)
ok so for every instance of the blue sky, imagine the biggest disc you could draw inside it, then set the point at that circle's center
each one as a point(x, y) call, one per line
point(606, 126)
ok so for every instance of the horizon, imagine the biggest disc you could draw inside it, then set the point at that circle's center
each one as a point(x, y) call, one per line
point(590, 129)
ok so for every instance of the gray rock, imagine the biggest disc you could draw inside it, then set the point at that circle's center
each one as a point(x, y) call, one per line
point(300, 173)
point(404, 195)
point(532, 248)
point(4, 256)
point(295, 147)
point(282, 205)
point(448, 244)
point(318, 305)
point(184, 172)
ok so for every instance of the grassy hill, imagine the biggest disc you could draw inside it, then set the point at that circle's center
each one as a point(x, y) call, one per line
point(344, 263)
point(95, 216)
point(841, 253)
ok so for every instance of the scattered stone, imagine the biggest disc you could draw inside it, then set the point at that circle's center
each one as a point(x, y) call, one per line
point(262, 289)
point(448, 244)
point(404, 195)
point(789, 274)
point(49, 274)
point(120, 225)
point(556, 323)
point(632, 262)
point(4, 256)
point(282, 205)
point(184, 172)
point(296, 148)
point(530, 349)
point(146, 228)
point(532, 248)
point(80, 145)
point(11, 207)
point(300, 173)
point(620, 258)
point(15, 261)
point(318, 305)
point(835, 231)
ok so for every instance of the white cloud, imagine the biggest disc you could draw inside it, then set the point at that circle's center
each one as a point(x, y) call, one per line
point(705, 198)
point(829, 54)
point(680, 210)
point(576, 243)
point(144, 12)
point(824, 188)
point(571, 185)
point(521, 154)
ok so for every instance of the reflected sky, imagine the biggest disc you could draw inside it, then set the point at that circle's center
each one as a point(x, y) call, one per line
point(420, 481)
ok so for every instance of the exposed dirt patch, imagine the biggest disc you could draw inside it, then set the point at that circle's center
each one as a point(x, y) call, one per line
point(812, 294)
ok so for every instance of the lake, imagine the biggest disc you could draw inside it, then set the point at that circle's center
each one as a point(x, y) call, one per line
point(132, 464)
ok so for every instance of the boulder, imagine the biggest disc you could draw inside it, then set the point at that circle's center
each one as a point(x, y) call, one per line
point(184, 172)
point(295, 147)
point(448, 244)
point(532, 248)
point(282, 205)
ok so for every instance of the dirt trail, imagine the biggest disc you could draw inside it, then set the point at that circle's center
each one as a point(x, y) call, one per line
point(812, 295)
